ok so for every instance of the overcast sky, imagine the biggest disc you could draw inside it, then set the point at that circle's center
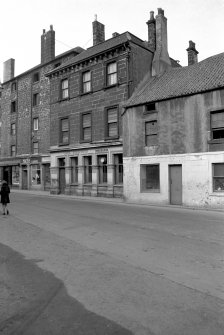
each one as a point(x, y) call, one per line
point(23, 21)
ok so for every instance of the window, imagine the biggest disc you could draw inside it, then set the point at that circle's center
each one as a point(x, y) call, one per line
point(35, 147)
point(13, 129)
point(111, 74)
point(112, 122)
point(15, 175)
point(36, 99)
point(86, 82)
point(218, 177)
point(64, 131)
point(86, 127)
point(118, 169)
point(13, 150)
point(150, 178)
point(150, 107)
point(36, 174)
point(13, 87)
point(87, 169)
point(36, 77)
point(64, 89)
point(217, 125)
point(13, 106)
point(57, 65)
point(74, 170)
point(151, 131)
point(102, 169)
point(35, 123)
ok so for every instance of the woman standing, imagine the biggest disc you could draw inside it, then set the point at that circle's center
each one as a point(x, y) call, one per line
point(5, 190)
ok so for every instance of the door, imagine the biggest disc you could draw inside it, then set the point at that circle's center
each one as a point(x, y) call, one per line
point(24, 178)
point(61, 180)
point(175, 174)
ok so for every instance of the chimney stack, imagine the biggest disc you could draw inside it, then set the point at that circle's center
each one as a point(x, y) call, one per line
point(98, 32)
point(192, 53)
point(8, 69)
point(152, 32)
point(47, 45)
point(161, 61)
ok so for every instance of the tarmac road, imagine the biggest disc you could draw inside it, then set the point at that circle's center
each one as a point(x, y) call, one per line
point(73, 266)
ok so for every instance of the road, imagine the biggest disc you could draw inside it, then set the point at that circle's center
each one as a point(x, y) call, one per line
point(111, 268)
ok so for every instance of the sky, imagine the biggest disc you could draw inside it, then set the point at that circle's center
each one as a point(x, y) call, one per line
point(23, 21)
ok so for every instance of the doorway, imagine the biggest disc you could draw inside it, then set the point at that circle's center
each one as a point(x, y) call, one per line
point(24, 178)
point(175, 183)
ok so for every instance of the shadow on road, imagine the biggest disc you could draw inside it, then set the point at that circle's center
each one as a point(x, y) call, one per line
point(34, 301)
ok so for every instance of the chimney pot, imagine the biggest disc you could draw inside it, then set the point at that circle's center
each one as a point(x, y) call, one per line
point(152, 15)
point(192, 53)
point(160, 11)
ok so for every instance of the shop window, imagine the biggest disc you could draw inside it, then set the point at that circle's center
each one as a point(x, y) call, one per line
point(64, 131)
point(151, 133)
point(112, 122)
point(217, 125)
point(13, 150)
point(64, 89)
point(36, 99)
point(86, 82)
point(218, 177)
point(15, 175)
point(74, 170)
point(13, 129)
point(35, 147)
point(102, 169)
point(111, 74)
point(13, 106)
point(150, 179)
point(118, 169)
point(87, 169)
point(35, 123)
point(36, 174)
point(86, 127)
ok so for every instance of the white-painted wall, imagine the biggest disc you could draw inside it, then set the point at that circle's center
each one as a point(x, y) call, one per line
point(197, 190)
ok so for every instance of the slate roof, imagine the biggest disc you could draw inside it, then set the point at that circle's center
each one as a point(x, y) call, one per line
point(175, 82)
point(102, 47)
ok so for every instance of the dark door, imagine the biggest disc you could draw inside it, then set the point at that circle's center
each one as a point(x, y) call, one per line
point(62, 180)
point(24, 178)
point(175, 174)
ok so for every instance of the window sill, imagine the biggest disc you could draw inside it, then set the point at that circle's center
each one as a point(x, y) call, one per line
point(216, 141)
point(150, 191)
point(65, 99)
point(110, 86)
point(63, 144)
point(217, 194)
point(85, 93)
point(111, 138)
point(85, 141)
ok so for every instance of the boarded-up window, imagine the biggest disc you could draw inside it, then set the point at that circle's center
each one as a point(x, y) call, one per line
point(151, 131)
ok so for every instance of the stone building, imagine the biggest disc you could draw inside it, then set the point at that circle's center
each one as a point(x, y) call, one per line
point(25, 119)
point(87, 95)
point(173, 134)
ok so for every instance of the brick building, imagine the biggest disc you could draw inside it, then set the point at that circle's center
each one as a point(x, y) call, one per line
point(87, 94)
point(25, 119)
point(173, 128)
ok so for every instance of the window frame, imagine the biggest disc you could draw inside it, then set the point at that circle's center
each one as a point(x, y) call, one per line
point(87, 81)
point(14, 87)
point(74, 169)
point(35, 128)
point(217, 177)
point(82, 130)
point(109, 75)
point(66, 89)
point(13, 128)
point(36, 77)
point(13, 106)
point(152, 134)
point(118, 175)
point(36, 99)
point(13, 150)
point(107, 123)
point(216, 129)
point(61, 131)
point(102, 169)
point(35, 147)
point(143, 178)
point(88, 171)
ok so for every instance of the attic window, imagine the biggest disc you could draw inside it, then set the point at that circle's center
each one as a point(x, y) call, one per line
point(150, 107)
